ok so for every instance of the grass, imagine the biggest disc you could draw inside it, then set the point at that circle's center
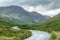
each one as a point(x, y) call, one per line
point(51, 25)
point(7, 33)
point(58, 35)
point(53, 35)
point(14, 35)
point(6, 38)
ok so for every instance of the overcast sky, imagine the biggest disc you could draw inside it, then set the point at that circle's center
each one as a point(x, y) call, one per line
point(45, 7)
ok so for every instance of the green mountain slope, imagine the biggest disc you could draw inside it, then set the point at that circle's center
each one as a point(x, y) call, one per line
point(52, 23)
point(5, 24)
point(7, 18)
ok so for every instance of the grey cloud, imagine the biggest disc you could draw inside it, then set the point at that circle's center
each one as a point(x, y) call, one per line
point(50, 4)
point(36, 2)
point(56, 4)
point(46, 3)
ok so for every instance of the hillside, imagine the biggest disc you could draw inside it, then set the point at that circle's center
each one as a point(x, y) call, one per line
point(10, 19)
point(52, 23)
point(8, 33)
point(22, 16)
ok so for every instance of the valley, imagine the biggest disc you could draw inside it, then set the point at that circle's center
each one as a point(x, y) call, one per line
point(16, 16)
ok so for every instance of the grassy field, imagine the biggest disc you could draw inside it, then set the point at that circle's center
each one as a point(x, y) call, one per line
point(7, 33)
point(55, 35)
point(58, 35)
point(14, 35)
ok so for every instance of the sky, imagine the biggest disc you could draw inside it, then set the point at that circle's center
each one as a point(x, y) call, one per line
point(45, 7)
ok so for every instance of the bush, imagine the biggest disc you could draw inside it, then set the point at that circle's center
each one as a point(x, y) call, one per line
point(53, 37)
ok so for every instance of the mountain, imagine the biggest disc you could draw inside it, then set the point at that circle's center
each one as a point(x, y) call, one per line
point(23, 17)
point(10, 19)
point(52, 23)
point(38, 17)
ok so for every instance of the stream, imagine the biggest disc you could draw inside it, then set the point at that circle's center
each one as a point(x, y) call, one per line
point(36, 35)
point(39, 35)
